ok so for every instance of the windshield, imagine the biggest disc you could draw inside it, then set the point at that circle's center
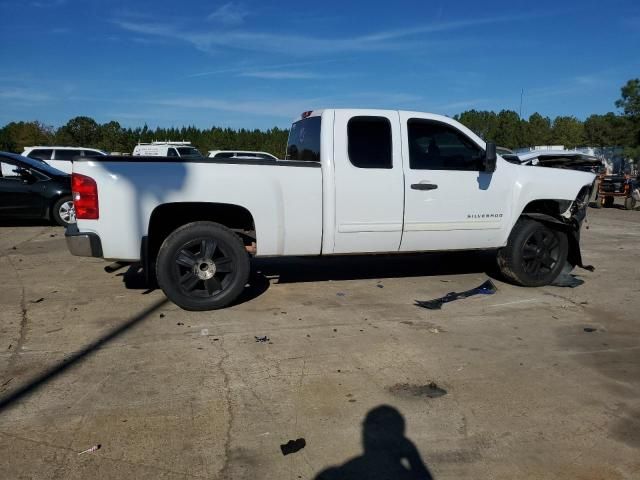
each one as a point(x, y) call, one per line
point(189, 152)
point(304, 140)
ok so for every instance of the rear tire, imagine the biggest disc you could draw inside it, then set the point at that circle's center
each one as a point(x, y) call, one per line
point(608, 202)
point(63, 212)
point(535, 254)
point(202, 266)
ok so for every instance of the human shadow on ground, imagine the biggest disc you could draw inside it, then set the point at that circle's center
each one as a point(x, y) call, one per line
point(388, 453)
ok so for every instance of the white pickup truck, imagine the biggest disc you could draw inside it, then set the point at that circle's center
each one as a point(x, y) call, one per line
point(353, 181)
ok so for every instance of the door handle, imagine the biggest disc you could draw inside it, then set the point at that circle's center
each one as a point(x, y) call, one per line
point(424, 186)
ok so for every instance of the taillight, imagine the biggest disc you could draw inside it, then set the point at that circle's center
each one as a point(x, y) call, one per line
point(85, 197)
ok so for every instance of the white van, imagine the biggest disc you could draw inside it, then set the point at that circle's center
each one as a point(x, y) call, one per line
point(60, 157)
point(166, 149)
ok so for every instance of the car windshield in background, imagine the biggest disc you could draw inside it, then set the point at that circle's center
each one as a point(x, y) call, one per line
point(304, 140)
point(189, 152)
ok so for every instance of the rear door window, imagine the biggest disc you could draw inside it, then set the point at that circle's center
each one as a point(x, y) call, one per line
point(66, 154)
point(172, 152)
point(40, 153)
point(369, 140)
point(8, 170)
point(304, 140)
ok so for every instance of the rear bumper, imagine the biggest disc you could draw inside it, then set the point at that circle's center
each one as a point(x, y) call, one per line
point(83, 244)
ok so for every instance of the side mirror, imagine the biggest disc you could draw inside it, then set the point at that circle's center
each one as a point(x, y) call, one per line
point(490, 158)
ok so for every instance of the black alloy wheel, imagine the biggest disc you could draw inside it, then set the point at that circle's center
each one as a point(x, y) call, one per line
point(535, 253)
point(202, 266)
point(540, 253)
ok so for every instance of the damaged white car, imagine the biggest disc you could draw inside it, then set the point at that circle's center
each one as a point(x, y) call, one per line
point(353, 181)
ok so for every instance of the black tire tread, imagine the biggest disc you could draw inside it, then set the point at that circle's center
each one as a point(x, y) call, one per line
point(221, 232)
point(507, 262)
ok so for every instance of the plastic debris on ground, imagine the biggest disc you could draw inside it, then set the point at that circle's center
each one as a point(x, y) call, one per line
point(293, 446)
point(262, 339)
point(91, 450)
point(567, 280)
point(487, 288)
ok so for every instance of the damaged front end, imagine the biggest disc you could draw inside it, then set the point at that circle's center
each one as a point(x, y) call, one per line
point(577, 215)
point(570, 221)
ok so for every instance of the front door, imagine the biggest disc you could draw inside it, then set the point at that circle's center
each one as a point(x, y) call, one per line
point(449, 203)
point(369, 184)
point(18, 194)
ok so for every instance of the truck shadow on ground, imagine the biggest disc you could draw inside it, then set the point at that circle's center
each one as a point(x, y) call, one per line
point(344, 267)
point(388, 453)
point(354, 267)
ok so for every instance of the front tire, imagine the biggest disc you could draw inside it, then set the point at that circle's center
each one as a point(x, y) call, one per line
point(202, 266)
point(63, 212)
point(535, 254)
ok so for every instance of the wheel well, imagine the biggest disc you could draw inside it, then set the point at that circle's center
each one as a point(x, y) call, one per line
point(550, 213)
point(554, 208)
point(167, 217)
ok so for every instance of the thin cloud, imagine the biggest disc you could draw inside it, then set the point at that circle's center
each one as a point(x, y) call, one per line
point(282, 75)
point(274, 108)
point(24, 95)
point(48, 3)
point(228, 14)
point(244, 69)
point(282, 43)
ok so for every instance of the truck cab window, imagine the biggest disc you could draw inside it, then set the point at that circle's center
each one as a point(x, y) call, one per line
point(438, 146)
point(369, 140)
point(304, 140)
point(172, 152)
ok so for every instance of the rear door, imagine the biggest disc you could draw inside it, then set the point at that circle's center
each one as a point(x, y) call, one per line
point(62, 159)
point(369, 185)
point(449, 203)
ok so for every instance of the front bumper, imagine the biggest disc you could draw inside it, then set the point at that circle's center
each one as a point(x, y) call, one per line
point(83, 244)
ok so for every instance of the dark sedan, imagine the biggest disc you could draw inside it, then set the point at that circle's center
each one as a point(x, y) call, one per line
point(32, 189)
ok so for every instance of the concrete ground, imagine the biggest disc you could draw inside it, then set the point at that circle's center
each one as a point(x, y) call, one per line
point(90, 357)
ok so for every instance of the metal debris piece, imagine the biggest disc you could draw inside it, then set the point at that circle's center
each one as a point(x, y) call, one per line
point(567, 280)
point(487, 288)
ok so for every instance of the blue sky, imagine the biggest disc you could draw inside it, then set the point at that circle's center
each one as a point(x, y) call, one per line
point(259, 64)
